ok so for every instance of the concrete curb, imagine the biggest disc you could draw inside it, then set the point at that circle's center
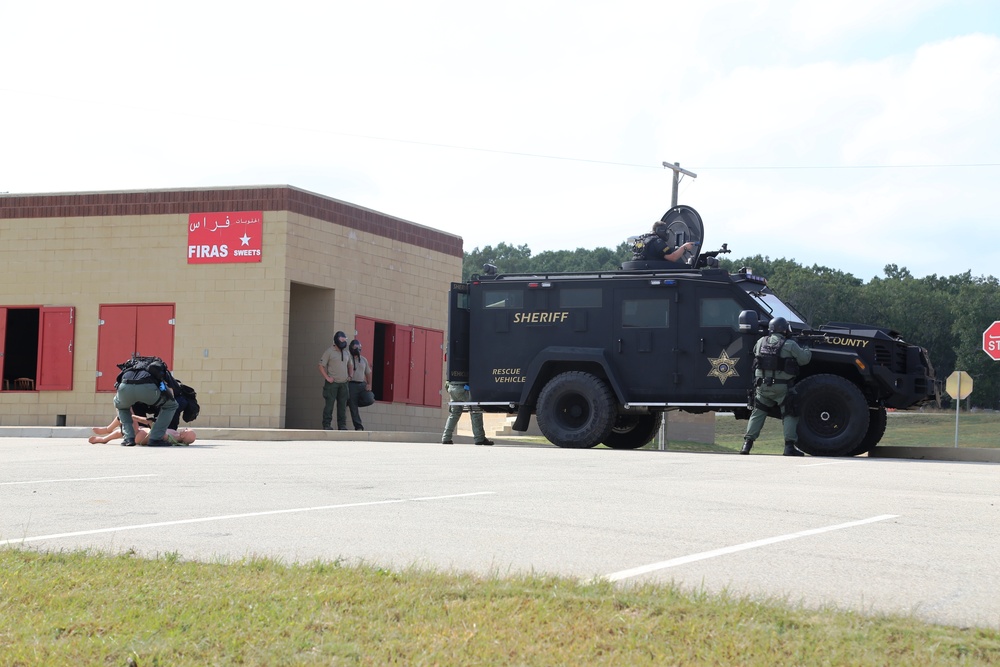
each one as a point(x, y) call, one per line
point(937, 454)
point(258, 434)
point(970, 454)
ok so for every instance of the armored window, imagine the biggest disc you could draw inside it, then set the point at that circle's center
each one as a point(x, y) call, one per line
point(580, 297)
point(503, 299)
point(720, 313)
point(647, 313)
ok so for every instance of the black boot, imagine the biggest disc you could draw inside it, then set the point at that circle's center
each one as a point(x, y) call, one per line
point(790, 449)
point(747, 445)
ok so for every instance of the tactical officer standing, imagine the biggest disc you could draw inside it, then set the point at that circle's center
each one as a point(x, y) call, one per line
point(334, 366)
point(776, 364)
point(459, 393)
point(361, 381)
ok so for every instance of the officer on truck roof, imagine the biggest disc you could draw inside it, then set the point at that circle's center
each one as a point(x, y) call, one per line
point(658, 245)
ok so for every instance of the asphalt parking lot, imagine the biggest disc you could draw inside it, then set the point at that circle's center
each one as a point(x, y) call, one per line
point(874, 535)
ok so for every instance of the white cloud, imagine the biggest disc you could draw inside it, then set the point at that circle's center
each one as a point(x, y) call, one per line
point(345, 100)
point(939, 107)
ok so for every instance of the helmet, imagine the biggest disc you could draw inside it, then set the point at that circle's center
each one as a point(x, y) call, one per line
point(660, 229)
point(354, 347)
point(778, 325)
point(340, 339)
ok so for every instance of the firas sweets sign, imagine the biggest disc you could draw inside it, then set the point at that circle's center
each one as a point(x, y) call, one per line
point(223, 238)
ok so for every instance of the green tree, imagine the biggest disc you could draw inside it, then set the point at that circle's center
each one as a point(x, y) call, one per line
point(518, 259)
point(975, 309)
point(507, 258)
point(916, 308)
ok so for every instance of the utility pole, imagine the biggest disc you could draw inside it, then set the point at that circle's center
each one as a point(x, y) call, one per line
point(676, 167)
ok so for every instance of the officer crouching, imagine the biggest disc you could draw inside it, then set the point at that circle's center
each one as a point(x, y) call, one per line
point(776, 364)
point(143, 380)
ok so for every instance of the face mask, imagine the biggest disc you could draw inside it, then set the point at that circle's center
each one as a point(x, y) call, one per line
point(341, 342)
point(355, 349)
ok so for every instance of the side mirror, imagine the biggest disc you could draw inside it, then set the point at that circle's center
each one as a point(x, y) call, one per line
point(748, 321)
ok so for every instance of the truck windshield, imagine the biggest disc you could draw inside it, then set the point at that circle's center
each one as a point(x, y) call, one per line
point(778, 308)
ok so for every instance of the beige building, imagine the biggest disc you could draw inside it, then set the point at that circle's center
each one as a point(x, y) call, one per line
point(240, 290)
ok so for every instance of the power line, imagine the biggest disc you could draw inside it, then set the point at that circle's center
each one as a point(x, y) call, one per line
point(543, 156)
point(855, 166)
point(540, 156)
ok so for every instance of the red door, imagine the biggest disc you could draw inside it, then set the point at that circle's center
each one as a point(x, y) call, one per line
point(434, 368)
point(365, 327)
point(3, 336)
point(418, 359)
point(127, 329)
point(115, 342)
point(154, 332)
point(55, 363)
point(401, 337)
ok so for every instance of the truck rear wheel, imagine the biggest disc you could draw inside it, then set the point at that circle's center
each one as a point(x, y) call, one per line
point(575, 410)
point(833, 416)
point(876, 429)
point(634, 431)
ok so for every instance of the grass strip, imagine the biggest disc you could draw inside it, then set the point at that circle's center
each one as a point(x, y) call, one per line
point(84, 608)
point(904, 429)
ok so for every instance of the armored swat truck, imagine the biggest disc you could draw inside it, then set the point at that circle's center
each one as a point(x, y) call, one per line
point(599, 357)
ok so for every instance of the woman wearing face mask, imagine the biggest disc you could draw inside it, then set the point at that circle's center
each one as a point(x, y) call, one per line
point(333, 366)
point(361, 381)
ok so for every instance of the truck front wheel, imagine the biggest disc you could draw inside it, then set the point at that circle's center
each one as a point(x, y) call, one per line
point(876, 429)
point(634, 431)
point(575, 410)
point(833, 416)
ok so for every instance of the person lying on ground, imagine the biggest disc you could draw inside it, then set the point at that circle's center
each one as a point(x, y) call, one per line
point(105, 434)
point(113, 427)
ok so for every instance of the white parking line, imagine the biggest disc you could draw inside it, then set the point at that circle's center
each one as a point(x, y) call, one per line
point(73, 479)
point(684, 560)
point(225, 517)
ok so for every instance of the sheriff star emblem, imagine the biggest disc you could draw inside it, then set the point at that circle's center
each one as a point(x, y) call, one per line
point(723, 367)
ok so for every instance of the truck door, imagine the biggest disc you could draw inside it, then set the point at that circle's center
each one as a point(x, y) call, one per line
point(715, 358)
point(457, 349)
point(644, 340)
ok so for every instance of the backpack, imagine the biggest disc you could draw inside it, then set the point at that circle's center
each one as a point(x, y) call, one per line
point(145, 370)
point(192, 409)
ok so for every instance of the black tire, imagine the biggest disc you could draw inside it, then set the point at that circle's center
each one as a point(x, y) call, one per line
point(876, 429)
point(833, 416)
point(634, 431)
point(576, 410)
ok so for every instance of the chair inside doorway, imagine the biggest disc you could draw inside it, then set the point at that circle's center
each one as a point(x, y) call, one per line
point(22, 384)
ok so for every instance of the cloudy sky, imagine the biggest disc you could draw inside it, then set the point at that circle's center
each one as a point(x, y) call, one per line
point(849, 134)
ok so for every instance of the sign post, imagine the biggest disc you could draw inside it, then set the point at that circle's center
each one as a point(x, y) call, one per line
point(959, 386)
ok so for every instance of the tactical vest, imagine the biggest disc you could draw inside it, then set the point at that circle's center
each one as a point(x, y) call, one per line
point(648, 247)
point(769, 358)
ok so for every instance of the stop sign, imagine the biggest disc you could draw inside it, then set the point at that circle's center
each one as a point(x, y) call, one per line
point(991, 341)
